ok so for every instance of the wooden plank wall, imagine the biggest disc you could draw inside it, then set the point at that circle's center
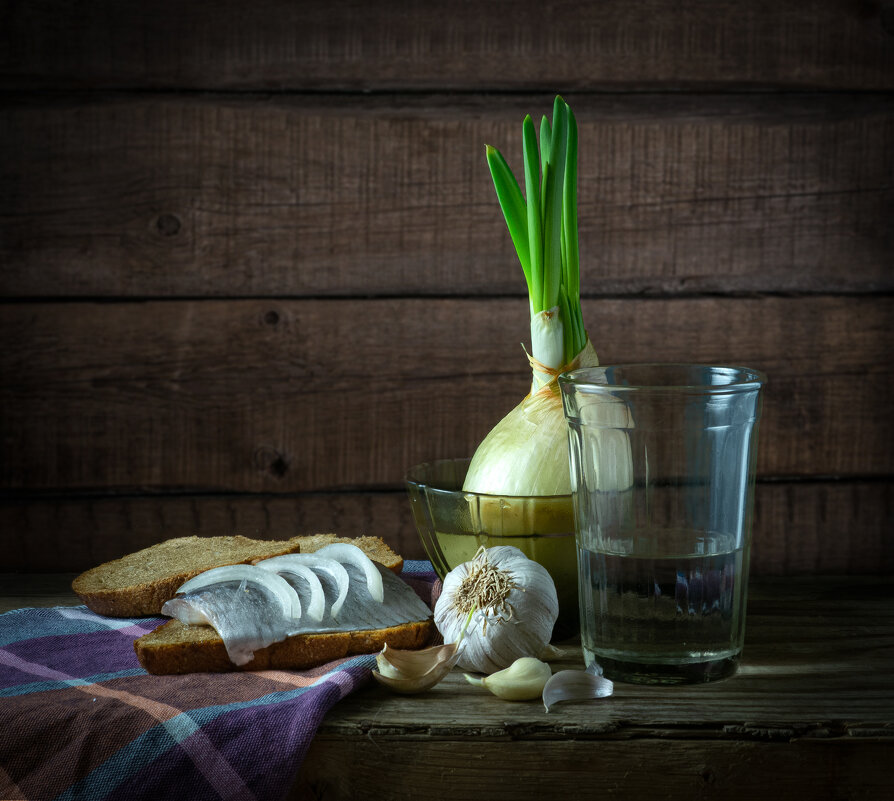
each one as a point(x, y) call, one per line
point(252, 267)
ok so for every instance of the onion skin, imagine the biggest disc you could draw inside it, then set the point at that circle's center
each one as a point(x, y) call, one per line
point(526, 453)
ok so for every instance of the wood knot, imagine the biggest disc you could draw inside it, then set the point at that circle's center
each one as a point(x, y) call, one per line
point(271, 461)
point(279, 467)
point(168, 225)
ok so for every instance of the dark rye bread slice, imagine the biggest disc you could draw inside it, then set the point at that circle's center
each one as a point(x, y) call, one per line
point(177, 648)
point(138, 584)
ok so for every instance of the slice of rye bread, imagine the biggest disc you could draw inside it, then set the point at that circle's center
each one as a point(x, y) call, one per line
point(138, 584)
point(177, 648)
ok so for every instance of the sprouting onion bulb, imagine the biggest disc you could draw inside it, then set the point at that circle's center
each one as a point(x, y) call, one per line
point(526, 454)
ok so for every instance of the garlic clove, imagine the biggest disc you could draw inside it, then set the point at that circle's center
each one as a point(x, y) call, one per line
point(523, 680)
point(575, 685)
point(386, 668)
point(411, 672)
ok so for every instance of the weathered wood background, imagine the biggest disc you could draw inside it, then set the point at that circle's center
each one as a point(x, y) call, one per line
point(252, 267)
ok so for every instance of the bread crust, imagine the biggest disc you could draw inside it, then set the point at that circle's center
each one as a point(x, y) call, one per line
point(175, 648)
point(109, 590)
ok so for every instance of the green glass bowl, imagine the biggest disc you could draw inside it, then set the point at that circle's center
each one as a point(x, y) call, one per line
point(454, 524)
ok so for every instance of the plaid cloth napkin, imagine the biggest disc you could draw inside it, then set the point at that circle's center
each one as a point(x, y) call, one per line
point(80, 719)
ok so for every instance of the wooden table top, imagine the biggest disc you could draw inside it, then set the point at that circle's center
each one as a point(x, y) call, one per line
point(810, 714)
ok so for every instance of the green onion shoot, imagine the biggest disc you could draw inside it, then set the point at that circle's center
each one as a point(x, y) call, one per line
point(526, 453)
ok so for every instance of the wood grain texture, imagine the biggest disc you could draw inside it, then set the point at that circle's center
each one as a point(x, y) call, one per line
point(253, 266)
point(799, 528)
point(514, 770)
point(800, 632)
point(297, 396)
point(165, 195)
point(356, 45)
point(37, 590)
point(810, 714)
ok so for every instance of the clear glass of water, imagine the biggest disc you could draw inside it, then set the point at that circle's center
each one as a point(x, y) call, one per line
point(662, 476)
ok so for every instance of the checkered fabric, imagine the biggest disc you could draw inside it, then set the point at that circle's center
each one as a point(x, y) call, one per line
point(80, 719)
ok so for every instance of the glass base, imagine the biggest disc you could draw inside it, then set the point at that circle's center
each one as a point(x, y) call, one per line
point(669, 672)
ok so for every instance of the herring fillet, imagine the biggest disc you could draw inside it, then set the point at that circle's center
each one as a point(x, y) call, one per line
point(247, 618)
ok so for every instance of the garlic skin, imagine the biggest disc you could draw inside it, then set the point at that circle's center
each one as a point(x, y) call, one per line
point(515, 607)
point(576, 685)
point(410, 672)
point(523, 680)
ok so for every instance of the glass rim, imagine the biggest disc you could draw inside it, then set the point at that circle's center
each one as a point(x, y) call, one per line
point(461, 492)
point(742, 379)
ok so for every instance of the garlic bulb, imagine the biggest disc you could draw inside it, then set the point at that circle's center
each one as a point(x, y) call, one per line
point(513, 606)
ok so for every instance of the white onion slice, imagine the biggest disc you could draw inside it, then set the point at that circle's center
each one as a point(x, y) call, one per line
point(330, 566)
point(277, 585)
point(350, 554)
point(292, 563)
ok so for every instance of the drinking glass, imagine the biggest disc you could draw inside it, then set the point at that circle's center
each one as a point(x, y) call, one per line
point(662, 474)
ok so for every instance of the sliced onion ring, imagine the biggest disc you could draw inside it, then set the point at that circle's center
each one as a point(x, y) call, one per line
point(292, 563)
point(277, 585)
point(330, 566)
point(346, 553)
